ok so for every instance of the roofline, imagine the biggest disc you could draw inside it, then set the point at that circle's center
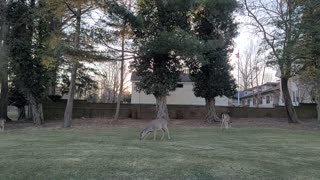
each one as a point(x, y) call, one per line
point(263, 92)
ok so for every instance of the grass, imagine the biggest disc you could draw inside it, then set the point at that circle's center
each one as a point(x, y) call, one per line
point(192, 153)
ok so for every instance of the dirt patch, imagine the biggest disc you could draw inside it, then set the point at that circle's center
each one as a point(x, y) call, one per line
point(139, 123)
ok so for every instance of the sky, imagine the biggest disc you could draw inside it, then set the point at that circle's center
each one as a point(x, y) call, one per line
point(241, 43)
point(245, 36)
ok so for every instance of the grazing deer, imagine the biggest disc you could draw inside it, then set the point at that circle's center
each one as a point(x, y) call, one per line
point(2, 122)
point(226, 120)
point(154, 126)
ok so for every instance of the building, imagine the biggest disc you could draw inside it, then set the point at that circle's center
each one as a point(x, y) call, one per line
point(270, 94)
point(300, 92)
point(183, 95)
point(264, 96)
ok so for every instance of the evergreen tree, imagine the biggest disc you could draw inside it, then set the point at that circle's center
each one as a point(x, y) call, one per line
point(308, 48)
point(214, 24)
point(28, 71)
point(164, 42)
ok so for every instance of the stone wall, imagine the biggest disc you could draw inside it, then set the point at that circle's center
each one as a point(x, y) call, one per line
point(55, 110)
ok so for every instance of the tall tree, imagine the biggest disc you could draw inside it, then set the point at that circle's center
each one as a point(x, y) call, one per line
point(77, 9)
point(214, 24)
point(279, 23)
point(164, 41)
point(3, 61)
point(27, 68)
point(309, 48)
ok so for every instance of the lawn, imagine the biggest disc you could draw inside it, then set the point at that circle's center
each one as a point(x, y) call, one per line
point(192, 153)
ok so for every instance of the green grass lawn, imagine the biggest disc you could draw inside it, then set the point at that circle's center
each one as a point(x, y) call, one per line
point(192, 153)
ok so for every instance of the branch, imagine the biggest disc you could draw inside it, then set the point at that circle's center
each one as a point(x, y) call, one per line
point(251, 14)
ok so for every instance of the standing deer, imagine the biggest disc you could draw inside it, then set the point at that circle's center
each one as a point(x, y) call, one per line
point(154, 126)
point(226, 120)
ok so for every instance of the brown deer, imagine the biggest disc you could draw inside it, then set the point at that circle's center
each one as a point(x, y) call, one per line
point(226, 120)
point(154, 126)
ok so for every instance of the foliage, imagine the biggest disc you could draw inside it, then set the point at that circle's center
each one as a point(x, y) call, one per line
point(26, 65)
point(85, 82)
point(164, 42)
point(214, 24)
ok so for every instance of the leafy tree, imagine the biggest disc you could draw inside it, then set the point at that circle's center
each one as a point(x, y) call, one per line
point(29, 73)
point(116, 34)
point(215, 26)
point(164, 42)
point(84, 84)
point(279, 23)
point(308, 48)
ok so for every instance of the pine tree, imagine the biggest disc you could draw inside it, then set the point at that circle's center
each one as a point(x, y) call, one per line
point(164, 43)
point(215, 26)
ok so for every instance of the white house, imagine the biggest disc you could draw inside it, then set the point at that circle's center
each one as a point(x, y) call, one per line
point(270, 94)
point(298, 91)
point(183, 95)
point(264, 96)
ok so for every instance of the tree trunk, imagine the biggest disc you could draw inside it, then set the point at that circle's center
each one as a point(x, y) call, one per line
point(162, 109)
point(4, 93)
point(29, 112)
point(211, 111)
point(36, 109)
point(21, 113)
point(69, 107)
point(116, 116)
point(292, 116)
point(318, 111)
point(3, 64)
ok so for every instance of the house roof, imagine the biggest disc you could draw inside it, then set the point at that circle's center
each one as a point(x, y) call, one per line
point(241, 94)
point(262, 92)
point(267, 83)
point(183, 77)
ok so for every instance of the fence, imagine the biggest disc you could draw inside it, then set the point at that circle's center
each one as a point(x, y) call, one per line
point(55, 110)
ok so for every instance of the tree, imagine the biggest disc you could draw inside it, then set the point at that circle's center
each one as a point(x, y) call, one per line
point(28, 71)
point(77, 9)
point(117, 26)
point(279, 23)
point(309, 49)
point(3, 61)
point(215, 26)
point(163, 42)
point(85, 82)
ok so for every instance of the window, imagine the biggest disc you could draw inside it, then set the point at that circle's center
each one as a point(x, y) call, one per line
point(260, 100)
point(248, 102)
point(179, 85)
point(254, 101)
point(268, 99)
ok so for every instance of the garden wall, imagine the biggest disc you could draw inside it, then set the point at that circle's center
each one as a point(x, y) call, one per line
point(55, 110)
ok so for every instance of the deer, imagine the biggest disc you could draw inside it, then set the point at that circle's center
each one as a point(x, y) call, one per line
point(226, 120)
point(154, 126)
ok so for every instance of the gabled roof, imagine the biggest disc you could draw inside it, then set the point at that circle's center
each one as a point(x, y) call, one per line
point(262, 92)
point(265, 84)
point(183, 77)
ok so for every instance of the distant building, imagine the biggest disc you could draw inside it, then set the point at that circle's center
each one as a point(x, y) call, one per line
point(264, 96)
point(183, 95)
point(270, 94)
point(298, 91)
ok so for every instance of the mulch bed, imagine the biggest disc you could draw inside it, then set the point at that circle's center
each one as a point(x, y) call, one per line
point(101, 123)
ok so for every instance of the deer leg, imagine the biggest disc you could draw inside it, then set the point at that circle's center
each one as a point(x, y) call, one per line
point(162, 133)
point(166, 128)
point(155, 135)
